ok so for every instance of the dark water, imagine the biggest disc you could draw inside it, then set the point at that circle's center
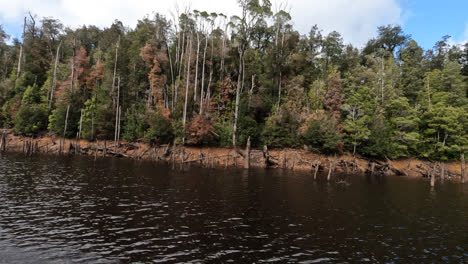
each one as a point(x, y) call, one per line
point(61, 210)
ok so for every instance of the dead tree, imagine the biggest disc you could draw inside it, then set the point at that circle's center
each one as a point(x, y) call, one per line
point(462, 160)
point(3, 142)
point(247, 155)
point(117, 117)
point(317, 166)
point(330, 169)
point(54, 80)
point(20, 57)
point(65, 128)
point(432, 175)
point(184, 119)
point(115, 70)
point(266, 156)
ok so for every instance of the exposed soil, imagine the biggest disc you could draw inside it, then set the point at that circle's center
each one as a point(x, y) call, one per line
point(292, 159)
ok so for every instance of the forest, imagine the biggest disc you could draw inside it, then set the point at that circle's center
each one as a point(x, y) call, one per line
point(200, 78)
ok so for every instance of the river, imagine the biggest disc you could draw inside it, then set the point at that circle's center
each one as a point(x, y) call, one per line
point(74, 210)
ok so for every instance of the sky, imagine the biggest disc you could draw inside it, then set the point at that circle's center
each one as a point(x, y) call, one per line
point(427, 21)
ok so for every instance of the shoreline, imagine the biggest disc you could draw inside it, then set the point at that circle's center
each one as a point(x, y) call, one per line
point(216, 157)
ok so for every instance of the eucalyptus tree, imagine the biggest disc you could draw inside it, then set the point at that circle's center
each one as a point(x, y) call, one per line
point(252, 11)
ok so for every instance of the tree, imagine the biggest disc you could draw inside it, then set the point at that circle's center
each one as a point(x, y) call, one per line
point(252, 12)
point(389, 38)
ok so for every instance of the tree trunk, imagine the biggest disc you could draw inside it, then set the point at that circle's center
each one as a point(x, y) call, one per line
point(463, 167)
point(203, 77)
point(73, 67)
point(279, 90)
point(247, 155)
point(184, 120)
point(20, 57)
point(118, 125)
point(65, 127)
point(330, 170)
point(3, 142)
point(181, 62)
point(196, 69)
point(81, 124)
point(117, 110)
point(238, 90)
point(172, 75)
point(251, 90)
point(432, 175)
point(115, 71)
point(54, 80)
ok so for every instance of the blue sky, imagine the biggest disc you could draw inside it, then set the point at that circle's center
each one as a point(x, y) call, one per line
point(426, 20)
point(429, 20)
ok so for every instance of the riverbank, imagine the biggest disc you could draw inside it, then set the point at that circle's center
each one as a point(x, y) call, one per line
point(214, 157)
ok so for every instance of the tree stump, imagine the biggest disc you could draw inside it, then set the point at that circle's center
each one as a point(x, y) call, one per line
point(247, 155)
point(462, 160)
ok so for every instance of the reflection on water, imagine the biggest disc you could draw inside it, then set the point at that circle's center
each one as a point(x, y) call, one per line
point(68, 210)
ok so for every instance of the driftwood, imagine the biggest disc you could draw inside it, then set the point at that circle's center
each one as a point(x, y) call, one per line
point(206, 158)
point(3, 142)
point(330, 169)
point(317, 167)
point(432, 175)
point(269, 162)
point(463, 166)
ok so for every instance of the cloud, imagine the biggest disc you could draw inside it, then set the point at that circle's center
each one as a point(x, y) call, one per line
point(356, 20)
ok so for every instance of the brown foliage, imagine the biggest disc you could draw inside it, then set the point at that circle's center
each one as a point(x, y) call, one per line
point(81, 66)
point(200, 130)
point(227, 89)
point(333, 99)
point(157, 80)
point(96, 75)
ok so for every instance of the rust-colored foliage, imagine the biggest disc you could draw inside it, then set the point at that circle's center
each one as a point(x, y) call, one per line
point(157, 80)
point(333, 99)
point(81, 66)
point(227, 89)
point(200, 130)
point(96, 75)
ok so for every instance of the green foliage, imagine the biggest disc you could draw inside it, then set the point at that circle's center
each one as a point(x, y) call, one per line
point(31, 119)
point(322, 134)
point(134, 125)
point(248, 127)
point(391, 99)
point(160, 130)
point(281, 131)
point(223, 132)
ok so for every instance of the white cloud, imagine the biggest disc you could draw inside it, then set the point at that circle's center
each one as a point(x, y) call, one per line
point(356, 20)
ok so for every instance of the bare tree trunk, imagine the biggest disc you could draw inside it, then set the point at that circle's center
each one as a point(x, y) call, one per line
point(172, 75)
point(117, 110)
point(184, 120)
point(118, 125)
point(238, 91)
point(81, 124)
point(247, 155)
point(54, 80)
point(20, 57)
point(279, 90)
point(182, 52)
point(208, 88)
point(432, 174)
point(115, 70)
point(462, 160)
point(196, 68)
point(3, 142)
point(251, 90)
point(73, 67)
point(65, 127)
point(203, 77)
